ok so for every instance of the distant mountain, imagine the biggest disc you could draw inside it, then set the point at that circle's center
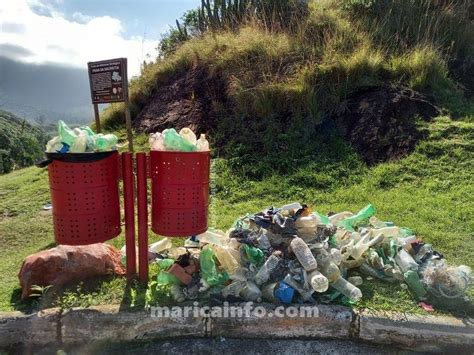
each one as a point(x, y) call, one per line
point(21, 143)
point(51, 91)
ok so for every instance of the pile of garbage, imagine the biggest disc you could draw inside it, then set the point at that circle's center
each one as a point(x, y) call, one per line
point(293, 254)
point(80, 140)
point(184, 141)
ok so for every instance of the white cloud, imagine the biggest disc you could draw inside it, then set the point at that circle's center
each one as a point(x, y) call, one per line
point(48, 37)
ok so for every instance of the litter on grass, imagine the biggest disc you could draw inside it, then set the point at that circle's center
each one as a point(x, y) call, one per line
point(294, 254)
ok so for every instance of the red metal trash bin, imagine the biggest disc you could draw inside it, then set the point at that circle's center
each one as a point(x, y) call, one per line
point(85, 199)
point(180, 192)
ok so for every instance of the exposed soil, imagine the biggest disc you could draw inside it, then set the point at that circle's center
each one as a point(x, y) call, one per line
point(380, 122)
point(189, 99)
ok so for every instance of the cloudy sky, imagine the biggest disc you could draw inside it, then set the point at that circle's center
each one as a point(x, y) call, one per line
point(74, 32)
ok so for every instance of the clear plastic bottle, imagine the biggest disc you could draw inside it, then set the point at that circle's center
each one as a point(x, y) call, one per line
point(266, 269)
point(214, 237)
point(226, 258)
point(233, 289)
point(339, 217)
point(160, 245)
point(158, 143)
point(364, 244)
point(290, 209)
point(177, 293)
point(347, 289)
point(356, 280)
point(336, 256)
point(268, 292)
point(251, 292)
point(305, 294)
point(318, 281)
point(307, 222)
point(303, 254)
point(202, 145)
point(405, 261)
point(189, 135)
point(377, 223)
point(54, 145)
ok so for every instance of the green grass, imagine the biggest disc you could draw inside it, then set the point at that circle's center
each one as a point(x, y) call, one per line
point(429, 191)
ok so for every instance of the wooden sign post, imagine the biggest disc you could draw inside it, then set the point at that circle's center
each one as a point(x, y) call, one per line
point(109, 83)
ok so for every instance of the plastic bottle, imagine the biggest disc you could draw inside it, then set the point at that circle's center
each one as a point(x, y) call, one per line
point(364, 244)
point(188, 135)
point(202, 145)
point(405, 261)
point(54, 145)
point(214, 237)
point(254, 255)
point(318, 281)
point(158, 142)
point(347, 289)
point(226, 258)
point(336, 256)
point(251, 292)
point(414, 283)
point(268, 292)
point(356, 280)
point(303, 254)
point(305, 294)
point(350, 222)
point(173, 141)
point(160, 245)
point(80, 143)
point(266, 269)
point(307, 222)
point(335, 218)
point(377, 223)
point(177, 293)
point(233, 289)
point(106, 142)
point(66, 134)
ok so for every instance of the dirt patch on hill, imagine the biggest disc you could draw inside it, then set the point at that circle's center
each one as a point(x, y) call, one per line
point(380, 122)
point(189, 99)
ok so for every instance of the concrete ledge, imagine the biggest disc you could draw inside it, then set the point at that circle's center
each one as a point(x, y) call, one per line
point(329, 322)
point(109, 323)
point(39, 328)
point(421, 333)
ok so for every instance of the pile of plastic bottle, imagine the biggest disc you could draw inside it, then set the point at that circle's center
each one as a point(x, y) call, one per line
point(293, 254)
point(80, 140)
point(184, 141)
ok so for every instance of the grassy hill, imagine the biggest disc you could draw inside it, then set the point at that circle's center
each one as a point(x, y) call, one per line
point(21, 144)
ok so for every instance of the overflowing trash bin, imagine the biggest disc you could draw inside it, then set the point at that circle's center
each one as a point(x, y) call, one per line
point(84, 186)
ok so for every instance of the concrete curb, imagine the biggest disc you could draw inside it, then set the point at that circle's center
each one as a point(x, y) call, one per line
point(109, 323)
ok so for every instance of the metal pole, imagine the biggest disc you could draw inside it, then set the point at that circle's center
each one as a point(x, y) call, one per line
point(97, 118)
point(129, 206)
point(142, 211)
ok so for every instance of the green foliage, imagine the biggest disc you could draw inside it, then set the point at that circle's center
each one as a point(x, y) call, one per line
point(20, 143)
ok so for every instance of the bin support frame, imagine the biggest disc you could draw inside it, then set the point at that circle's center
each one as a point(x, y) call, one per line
point(129, 210)
point(142, 211)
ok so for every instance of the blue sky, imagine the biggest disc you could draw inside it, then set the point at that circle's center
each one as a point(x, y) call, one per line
point(73, 32)
point(139, 17)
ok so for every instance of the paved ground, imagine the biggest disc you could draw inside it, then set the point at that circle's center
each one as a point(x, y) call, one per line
point(233, 346)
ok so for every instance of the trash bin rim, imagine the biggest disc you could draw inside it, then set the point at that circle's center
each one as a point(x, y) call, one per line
point(75, 157)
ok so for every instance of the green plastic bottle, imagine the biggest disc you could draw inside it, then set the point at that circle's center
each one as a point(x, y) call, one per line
point(209, 273)
point(414, 284)
point(66, 134)
point(254, 255)
point(173, 141)
point(351, 222)
point(105, 142)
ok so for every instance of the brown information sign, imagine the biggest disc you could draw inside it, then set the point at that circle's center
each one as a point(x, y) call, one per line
point(108, 80)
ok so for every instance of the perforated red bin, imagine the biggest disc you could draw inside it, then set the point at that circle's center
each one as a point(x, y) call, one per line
point(180, 192)
point(85, 197)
